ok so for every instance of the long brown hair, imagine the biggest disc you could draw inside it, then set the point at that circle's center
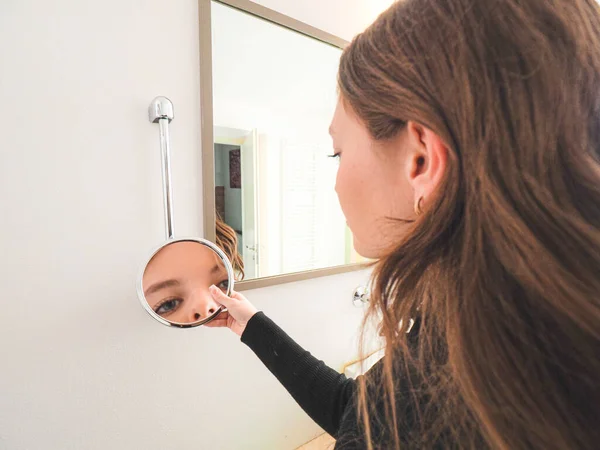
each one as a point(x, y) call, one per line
point(227, 240)
point(503, 267)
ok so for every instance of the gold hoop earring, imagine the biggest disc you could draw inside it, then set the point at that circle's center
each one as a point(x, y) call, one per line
point(419, 206)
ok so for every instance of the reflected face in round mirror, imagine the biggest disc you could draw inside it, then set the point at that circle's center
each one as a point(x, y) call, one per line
point(176, 281)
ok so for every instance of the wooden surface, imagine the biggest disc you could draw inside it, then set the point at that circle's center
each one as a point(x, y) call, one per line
point(323, 442)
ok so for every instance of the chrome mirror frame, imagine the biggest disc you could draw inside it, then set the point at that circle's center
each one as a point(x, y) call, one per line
point(140, 285)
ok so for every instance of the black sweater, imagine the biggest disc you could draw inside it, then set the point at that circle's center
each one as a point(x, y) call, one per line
point(327, 396)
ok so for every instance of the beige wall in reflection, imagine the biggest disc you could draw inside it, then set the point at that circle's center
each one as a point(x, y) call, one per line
point(83, 365)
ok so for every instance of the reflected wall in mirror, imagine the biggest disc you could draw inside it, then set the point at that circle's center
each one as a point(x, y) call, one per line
point(274, 94)
point(174, 285)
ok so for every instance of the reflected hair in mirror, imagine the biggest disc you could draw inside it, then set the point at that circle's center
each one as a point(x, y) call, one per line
point(227, 240)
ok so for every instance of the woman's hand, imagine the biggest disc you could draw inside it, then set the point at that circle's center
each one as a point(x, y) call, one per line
point(239, 311)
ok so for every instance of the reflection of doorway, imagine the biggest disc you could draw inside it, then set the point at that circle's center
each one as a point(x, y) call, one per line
point(235, 190)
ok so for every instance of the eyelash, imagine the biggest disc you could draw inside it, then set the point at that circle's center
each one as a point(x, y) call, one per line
point(226, 282)
point(160, 305)
point(335, 155)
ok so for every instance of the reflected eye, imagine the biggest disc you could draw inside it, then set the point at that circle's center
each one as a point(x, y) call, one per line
point(168, 306)
point(223, 285)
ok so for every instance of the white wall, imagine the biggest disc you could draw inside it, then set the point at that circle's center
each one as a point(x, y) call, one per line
point(83, 366)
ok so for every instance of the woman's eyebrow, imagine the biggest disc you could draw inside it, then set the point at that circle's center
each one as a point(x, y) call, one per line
point(161, 285)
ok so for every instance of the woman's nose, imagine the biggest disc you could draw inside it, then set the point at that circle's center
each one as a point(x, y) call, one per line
point(204, 306)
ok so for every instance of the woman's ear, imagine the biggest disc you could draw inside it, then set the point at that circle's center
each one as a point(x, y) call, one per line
point(427, 163)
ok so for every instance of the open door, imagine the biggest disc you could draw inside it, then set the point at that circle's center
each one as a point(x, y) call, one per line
point(249, 180)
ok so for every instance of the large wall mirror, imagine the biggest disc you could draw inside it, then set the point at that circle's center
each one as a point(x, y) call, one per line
point(268, 95)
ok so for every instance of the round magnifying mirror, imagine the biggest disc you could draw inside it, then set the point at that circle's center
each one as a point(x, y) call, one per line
point(174, 284)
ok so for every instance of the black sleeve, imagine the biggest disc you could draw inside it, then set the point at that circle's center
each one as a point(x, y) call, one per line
point(322, 392)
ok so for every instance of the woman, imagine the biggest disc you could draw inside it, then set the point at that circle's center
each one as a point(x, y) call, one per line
point(177, 279)
point(468, 133)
